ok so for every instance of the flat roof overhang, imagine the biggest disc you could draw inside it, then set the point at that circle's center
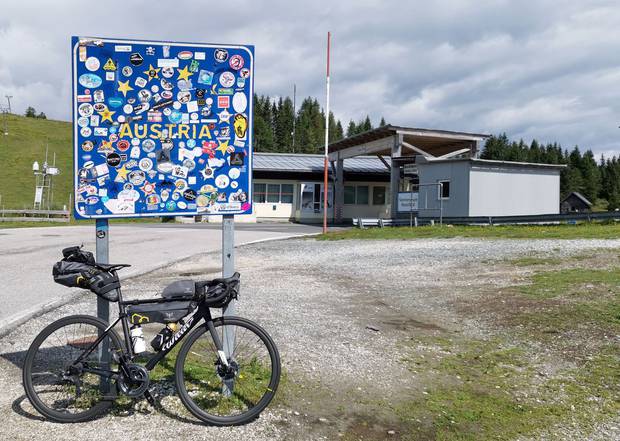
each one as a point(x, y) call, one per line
point(415, 141)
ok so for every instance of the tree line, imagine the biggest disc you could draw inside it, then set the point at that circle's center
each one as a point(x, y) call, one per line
point(278, 127)
point(598, 181)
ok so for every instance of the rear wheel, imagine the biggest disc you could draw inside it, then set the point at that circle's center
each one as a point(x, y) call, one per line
point(60, 389)
point(234, 394)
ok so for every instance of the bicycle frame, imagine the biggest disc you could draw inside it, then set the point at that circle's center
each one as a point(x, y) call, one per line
point(190, 321)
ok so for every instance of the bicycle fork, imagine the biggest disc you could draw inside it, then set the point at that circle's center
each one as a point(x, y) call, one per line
point(227, 371)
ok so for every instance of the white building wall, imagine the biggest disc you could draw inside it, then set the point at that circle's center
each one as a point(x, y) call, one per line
point(508, 191)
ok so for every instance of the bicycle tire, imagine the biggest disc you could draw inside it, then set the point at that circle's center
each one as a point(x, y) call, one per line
point(270, 388)
point(31, 357)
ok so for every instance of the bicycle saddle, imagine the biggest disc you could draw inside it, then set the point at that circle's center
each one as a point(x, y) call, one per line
point(111, 266)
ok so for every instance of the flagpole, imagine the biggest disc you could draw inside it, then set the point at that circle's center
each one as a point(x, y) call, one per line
point(326, 141)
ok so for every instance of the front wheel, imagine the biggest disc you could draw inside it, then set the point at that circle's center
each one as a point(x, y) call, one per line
point(58, 386)
point(228, 395)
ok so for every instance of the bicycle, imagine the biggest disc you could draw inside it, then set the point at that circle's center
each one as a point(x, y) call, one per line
point(226, 371)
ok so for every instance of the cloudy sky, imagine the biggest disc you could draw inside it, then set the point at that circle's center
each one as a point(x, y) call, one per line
point(533, 69)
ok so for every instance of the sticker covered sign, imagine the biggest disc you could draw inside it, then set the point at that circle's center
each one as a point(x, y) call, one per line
point(161, 128)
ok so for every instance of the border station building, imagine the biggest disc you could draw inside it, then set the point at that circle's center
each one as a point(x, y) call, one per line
point(393, 172)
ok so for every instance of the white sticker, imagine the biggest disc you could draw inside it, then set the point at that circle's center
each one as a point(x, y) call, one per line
point(199, 55)
point(122, 48)
point(191, 180)
point(102, 169)
point(109, 76)
point(101, 131)
point(240, 102)
point(165, 62)
point(92, 64)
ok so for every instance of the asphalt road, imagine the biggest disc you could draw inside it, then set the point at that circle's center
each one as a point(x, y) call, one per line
point(27, 255)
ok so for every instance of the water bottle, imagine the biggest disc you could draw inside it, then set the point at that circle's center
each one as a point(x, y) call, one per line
point(137, 339)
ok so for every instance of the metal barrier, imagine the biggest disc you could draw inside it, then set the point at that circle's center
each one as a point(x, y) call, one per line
point(34, 216)
point(492, 220)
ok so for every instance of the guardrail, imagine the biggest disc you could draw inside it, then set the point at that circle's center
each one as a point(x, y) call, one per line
point(490, 220)
point(34, 216)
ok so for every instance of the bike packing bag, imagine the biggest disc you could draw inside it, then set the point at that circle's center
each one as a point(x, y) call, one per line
point(169, 312)
point(82, 275)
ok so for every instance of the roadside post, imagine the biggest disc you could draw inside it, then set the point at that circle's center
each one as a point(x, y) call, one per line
point(102, 255)
point(162, 129)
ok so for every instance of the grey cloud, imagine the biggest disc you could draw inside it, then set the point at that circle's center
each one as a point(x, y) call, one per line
point(538, 69)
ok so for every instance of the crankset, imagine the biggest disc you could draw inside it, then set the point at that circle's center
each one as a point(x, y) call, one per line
point(135, 382)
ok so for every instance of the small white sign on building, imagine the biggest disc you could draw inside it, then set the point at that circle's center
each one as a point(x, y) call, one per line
point(408, 201)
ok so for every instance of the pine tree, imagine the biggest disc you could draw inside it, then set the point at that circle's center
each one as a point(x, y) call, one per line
point(382, 122)
point(351, 129)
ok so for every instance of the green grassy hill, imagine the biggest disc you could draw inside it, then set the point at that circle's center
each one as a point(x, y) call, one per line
point(25, 144)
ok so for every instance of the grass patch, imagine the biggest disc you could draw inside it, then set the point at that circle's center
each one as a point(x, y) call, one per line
point(534, 261)
point(482, 391)
point(563, 231)
point(573, 282)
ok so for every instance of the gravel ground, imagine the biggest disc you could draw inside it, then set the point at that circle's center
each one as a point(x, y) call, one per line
point(336, 310)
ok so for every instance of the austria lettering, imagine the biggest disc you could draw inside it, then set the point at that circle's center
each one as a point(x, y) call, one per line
point(155, 131)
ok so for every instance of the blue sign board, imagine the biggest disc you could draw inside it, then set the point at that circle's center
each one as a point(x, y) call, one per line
point(161, 128)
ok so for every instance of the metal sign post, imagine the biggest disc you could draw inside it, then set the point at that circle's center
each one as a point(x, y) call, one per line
point(228, 269)
point(102, 255)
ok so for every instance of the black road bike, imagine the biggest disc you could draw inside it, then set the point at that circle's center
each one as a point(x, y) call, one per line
point(226, 372)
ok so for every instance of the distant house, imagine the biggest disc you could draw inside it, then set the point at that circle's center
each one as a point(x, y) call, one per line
point(575, 202)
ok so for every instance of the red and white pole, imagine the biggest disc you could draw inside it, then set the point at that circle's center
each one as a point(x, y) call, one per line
point(326, 141)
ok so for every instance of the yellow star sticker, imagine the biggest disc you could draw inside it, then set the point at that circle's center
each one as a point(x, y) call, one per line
point(124, 87)
point(152, 72)
point(106, 115)
point(121, 174)
point(184, 74)
point(223, 147)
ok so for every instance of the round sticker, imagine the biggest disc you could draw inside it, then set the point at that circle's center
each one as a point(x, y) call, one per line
point(85, 109)
point(166, 94)
point(113, 159)
point(244, 73)
point(209, 101)
point(127, 71)
point(175, 117)
point(180, 184)
point(145, 164)
point(121, 118)
point(123, 145)
point(152, 199)
point(176, 196)
point(137, 177)
point(184, 96)
point(135, 141)
point(176, 105)
point(227, 79)
point(100, 107)
point(222, 181)
point(87, 146)
point(86, 131)
point(202, 200)
point(234, 184)
point(92, 64)
point(154, 88)
point(182, 205)
point(236, 62)
point(167, 85)
point(167, 72)
point(234, 173)
point(127, 108)
point(148, 145)
point(193, 116)
point(220, 55)
point(167, 111)
point(83, 121)
point(240, 102)
point(189, 195)
point(191, 143)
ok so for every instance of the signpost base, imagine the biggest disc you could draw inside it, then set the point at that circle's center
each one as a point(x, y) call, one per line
point(102, 255)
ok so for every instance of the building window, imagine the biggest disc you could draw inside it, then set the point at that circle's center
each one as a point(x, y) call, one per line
point(378, 195)
point(273, 193)
point(349, 195)
point(259, 193)
point(286, 196)
point(362, 195)
point(356, 195)
point(444, 190)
